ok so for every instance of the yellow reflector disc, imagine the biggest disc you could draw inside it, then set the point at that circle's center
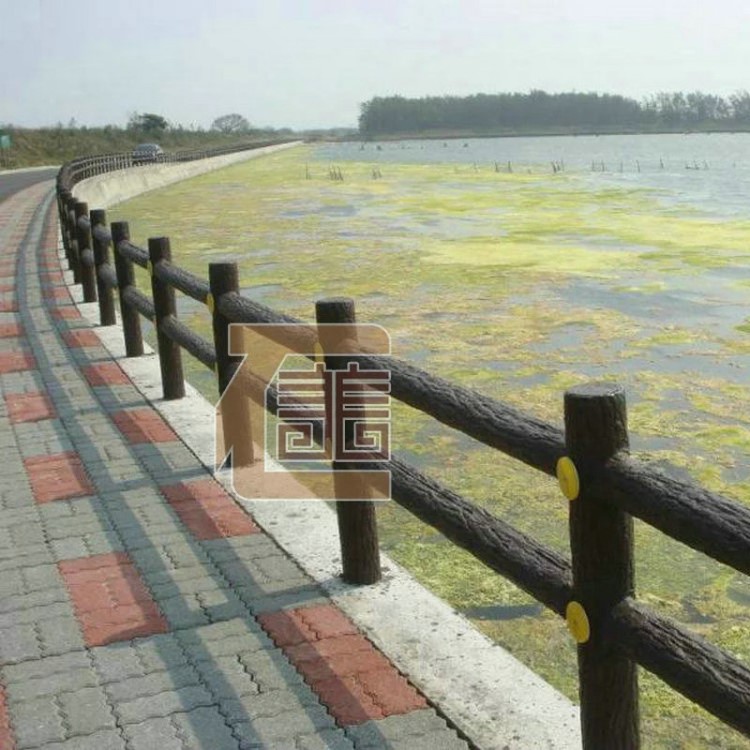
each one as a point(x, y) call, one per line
point(578, 622)
point(567, 476)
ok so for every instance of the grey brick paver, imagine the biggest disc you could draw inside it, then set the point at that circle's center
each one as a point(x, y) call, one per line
point(18, 643)
point(53, 684)
point(163, 704)
point(160, 652)
point(37, 722)
point(107, 740)
point(183, 612)
point(221, 605)
point(59, 635)
point(281, 729)
point(267, 705)
point(159, 682)
point(25, 558)
point(53, 665)
point(325, 739)
point(151, 734)
point(116, 662)
point(14, 602)
point(86, 711)
point(204, 728)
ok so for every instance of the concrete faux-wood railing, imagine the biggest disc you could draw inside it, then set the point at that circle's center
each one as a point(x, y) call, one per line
point(606, 488)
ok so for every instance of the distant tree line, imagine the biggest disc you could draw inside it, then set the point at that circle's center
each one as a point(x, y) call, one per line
point(58, 143)
point(538, 111)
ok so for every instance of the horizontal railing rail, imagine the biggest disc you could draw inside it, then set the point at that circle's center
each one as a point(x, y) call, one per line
point(606, 488)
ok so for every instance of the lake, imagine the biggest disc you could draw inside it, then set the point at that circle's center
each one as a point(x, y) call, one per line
point(521, 283)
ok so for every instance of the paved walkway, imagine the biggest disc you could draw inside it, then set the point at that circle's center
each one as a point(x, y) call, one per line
point(140, 607)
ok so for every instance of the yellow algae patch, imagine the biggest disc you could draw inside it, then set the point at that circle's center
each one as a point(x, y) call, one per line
point(531, 256)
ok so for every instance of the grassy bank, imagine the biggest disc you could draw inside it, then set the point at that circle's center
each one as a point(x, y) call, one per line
point(40, 146)
point(519, 285)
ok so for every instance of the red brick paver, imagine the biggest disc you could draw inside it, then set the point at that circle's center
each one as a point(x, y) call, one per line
point(110, 600)
point(105, 373)
point(16, 362)
point(57, 293)
point(29, 407)
point(143, 426)
point(10, 330)
point(207, 510)
point(7, 740)
point(66, 313)
point(350, 676)
point(78, 337)
point(8, 306)
point(57, 477)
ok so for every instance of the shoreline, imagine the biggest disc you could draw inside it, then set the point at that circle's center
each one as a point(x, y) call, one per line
point(446, 136)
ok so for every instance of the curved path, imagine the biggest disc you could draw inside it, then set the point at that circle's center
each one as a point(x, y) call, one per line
point(140, 607)
point(13, 181)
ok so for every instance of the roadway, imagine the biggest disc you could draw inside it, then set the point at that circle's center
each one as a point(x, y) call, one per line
point(12, 182)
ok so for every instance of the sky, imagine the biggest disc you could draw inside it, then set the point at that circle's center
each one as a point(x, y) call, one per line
point(311, 63)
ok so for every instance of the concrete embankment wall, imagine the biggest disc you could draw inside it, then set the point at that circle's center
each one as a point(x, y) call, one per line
point(488, 694)
point(106, 190)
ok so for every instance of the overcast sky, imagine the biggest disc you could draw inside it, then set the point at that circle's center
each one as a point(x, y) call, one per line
point(310, 63)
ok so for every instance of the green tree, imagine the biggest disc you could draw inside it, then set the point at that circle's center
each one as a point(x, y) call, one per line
point(232, 123)
point(147, 123)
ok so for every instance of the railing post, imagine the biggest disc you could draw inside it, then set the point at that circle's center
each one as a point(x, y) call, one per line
point(358, 530)
point(601, 540)
point(85, 254)
point(62, 214)
point(106, 295)
point(223, 278)
point(129, 317)
point(74, 259)
point(170, 356)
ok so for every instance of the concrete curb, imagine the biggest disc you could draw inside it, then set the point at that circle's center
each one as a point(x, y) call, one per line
point(104, 191)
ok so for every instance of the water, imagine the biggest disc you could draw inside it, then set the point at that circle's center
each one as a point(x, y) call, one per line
point(717, 180)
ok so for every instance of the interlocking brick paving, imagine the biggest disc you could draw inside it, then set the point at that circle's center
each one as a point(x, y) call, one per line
point(105, 373)
point(206, 509)
point(127, 605)
point(29, 407)
point(16, 362)
point(80, 337)
point(143, 426)
point(57, 477)
point(351, 677)
point(110, 600)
